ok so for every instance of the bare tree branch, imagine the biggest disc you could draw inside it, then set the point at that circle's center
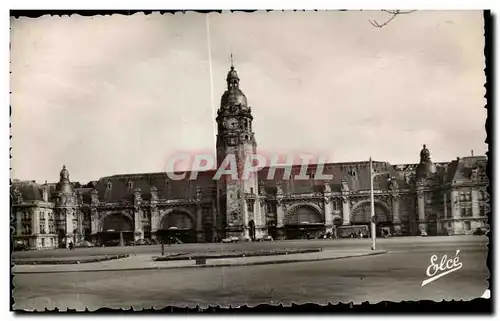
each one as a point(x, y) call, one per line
point(393, 13)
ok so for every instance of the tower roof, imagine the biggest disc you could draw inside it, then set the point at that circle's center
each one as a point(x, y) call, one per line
point(233, 96)
point(426, 166)
point(232, 74)
point(64, 184)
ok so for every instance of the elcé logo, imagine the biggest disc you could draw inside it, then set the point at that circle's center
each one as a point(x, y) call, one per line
point(435, 271)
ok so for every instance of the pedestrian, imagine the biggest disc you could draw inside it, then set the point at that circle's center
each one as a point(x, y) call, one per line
point(70, 245)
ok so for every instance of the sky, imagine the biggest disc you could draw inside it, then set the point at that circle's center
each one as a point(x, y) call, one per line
point(118, 94)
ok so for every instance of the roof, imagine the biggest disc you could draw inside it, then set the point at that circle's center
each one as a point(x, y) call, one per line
point(357, 175)
point(30, 190)
point(123, 186)
point(460, 170)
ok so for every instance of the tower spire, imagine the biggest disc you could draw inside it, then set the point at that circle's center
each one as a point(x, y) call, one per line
point(232, 64)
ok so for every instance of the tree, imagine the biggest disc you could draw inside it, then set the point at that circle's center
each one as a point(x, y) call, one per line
point(393, 13)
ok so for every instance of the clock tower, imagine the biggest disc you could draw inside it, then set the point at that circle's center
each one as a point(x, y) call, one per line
point(238, 198)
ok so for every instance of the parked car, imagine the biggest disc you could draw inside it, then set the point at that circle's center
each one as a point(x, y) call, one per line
point(231, 239)
point(423, 233)
point(112, 243)
point(266, 238)
point(172, 240)
point(84, 244)
point(142, 242)
point(479, 231)
point(20, 246)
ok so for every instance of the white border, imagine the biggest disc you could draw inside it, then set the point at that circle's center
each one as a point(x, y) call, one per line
point(185, 4)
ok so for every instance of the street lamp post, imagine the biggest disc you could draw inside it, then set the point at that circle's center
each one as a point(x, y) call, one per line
point(372, 201)
point(372, 205)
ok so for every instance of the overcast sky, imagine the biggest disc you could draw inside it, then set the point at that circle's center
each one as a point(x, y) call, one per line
point(108, 95)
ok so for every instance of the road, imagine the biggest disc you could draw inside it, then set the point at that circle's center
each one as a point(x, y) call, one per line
point(394, 277)
point(391, 243)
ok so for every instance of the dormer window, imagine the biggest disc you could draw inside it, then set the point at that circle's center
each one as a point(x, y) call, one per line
point(108, 186)
point(130, 184)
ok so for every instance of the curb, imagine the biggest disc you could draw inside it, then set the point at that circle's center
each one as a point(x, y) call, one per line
point(71, 262)
point(209, 265)
point(234, 256)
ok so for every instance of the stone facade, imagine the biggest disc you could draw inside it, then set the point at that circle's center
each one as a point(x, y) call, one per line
point(438, 198)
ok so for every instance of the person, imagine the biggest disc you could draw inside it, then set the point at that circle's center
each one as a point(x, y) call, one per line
point(162, 247)
point(70, 245)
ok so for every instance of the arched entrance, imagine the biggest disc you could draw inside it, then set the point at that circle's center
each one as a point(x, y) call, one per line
point(87, 234)
point(304, 222)
point(177, 225)
point(61, 238)
point(432, 224)
point(337, 222)
point(361, 215)
point(251, 228)
point(208, 232)
point(117, 229)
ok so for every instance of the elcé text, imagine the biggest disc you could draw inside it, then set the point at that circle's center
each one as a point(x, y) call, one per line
point(438, 269)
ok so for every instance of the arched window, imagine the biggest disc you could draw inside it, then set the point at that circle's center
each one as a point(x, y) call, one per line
point(177, 219)
point(304, 215)
point(362, 214)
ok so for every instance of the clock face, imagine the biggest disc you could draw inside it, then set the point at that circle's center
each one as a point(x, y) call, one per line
point(231, 123)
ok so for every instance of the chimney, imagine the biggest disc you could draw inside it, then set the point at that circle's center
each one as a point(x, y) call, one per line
point(471, 152)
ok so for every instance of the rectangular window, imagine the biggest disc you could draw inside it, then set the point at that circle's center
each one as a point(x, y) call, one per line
point(43, 242)
point(250, 206)
point(468, 196)
point(467, 225)
point(270, 207)
point(483, 209)
point(462, 196)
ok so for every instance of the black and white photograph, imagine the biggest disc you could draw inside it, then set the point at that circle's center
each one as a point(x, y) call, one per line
point(228, 159)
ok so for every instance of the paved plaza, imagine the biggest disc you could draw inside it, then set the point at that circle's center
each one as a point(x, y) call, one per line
point(394, 276)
